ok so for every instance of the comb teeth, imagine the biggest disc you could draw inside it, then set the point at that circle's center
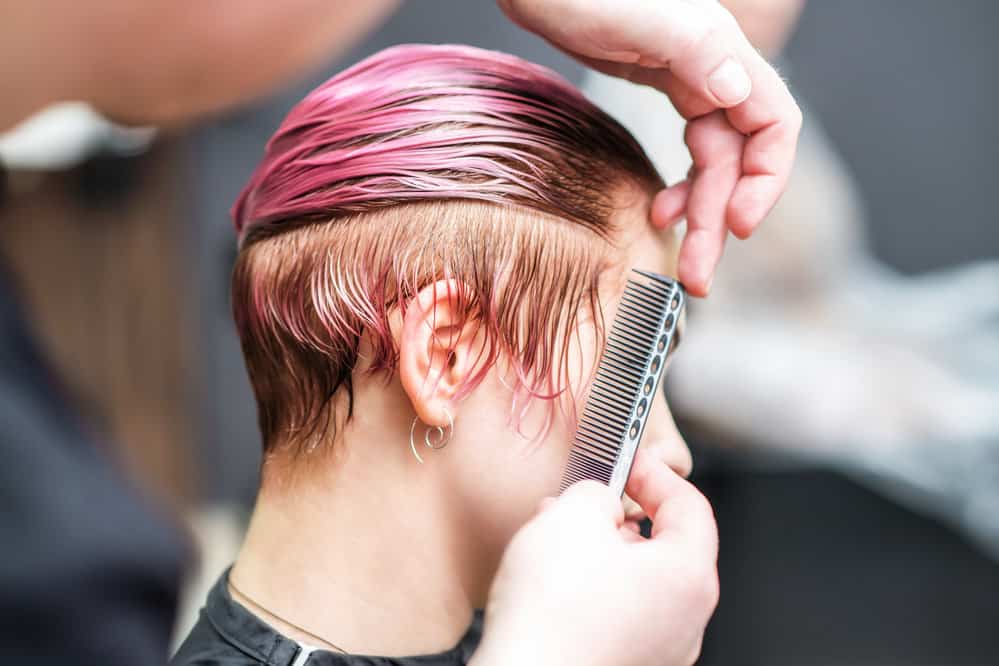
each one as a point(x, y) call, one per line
point(626, 380)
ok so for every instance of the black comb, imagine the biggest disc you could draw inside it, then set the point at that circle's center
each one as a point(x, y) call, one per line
point(642, 336)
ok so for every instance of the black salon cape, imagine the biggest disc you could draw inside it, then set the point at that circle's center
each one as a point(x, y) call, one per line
point(227, 634)
point(88, 571)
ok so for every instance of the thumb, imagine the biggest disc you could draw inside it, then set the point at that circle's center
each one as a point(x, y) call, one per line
point(680, 513)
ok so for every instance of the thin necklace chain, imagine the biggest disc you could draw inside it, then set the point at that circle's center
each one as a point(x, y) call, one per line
point(291, 624)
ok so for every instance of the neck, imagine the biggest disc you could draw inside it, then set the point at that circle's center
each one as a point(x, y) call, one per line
point(364, 550)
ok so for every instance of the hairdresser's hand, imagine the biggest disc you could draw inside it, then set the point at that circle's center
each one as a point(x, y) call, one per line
point(743, 123)
point(577, 587)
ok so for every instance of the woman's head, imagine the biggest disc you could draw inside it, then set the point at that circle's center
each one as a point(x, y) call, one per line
point(440, 231)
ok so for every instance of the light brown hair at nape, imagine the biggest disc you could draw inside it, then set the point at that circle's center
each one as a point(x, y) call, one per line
point(527, 279)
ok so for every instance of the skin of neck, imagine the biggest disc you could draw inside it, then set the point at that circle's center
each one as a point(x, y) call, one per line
point(364, 546)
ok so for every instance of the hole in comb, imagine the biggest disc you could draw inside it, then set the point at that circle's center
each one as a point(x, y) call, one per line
point(635, 427)
point(642, 407)
point(661, 347)
point(654, 368)
point(669, 323)
point(675, 304)
point(647, 389)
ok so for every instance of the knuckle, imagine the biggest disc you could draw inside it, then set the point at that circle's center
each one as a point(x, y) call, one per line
point(523, 538)
point(584, 497)
point(695, 651)
point(700, 506)
point(691, 579)
point(701, 587)
point(698, 139)
point(694, 132)
point(586, 488)
point(726, 19)
point(708, 29)
point(710, 33)
point(711, 590)
point(508, 8)
point(699, 31)
point(797, 117)
point(711, 139)
point(513, 8)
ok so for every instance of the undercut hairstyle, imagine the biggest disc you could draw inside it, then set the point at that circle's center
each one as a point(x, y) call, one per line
point(418, 164)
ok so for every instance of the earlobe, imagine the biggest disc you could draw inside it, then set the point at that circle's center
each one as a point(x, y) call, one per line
point(434, 347)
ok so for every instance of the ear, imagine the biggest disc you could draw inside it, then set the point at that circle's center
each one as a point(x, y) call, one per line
point(437, 350)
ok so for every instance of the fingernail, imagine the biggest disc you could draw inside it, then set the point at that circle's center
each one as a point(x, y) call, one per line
point(730, 83)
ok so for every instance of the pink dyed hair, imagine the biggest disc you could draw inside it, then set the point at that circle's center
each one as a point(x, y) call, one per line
point(417, 164)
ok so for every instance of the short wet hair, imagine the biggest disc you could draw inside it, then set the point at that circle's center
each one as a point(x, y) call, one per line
point(417, 164)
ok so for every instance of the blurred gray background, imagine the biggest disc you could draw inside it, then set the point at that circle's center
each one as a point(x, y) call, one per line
point(908, 89)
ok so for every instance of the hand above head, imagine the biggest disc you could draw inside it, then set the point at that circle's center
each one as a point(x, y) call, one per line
point(743, 123)
point(575, 586)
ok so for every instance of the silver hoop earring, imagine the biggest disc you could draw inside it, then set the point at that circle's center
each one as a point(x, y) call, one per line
point(442, 438)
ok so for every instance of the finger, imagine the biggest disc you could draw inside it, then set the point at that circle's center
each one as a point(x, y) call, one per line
point(545, 504)
point(677, 458)
point(630, 507)
point(669, 205)
point(631, 533)
point(593, 500)
point(633, 513)
point(680, 513)
point(771, 120)
point(716, 149)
